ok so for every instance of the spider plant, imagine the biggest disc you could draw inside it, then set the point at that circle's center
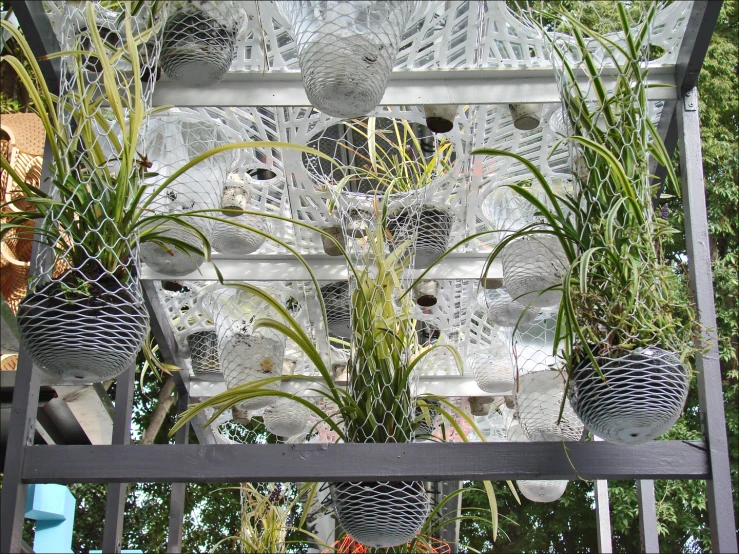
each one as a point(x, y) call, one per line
point(619, 293)
point(267, 519)
point(393, 159)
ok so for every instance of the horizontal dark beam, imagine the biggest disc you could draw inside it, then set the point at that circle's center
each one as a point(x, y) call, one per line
point(364, 462)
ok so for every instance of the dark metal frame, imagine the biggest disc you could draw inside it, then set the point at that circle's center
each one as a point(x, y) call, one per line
point(181, 463)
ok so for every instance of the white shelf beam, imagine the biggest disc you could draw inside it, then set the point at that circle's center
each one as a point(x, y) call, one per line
point(406, 88)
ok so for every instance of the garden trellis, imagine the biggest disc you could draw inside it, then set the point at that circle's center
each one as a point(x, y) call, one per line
point(490, 45)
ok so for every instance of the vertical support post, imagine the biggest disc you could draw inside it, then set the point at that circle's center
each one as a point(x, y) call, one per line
point(449, 533)
point(710, 393)
point(177, 497)
point(115, 498)
point(22, 428)
point(603, 517)
point(647, 516)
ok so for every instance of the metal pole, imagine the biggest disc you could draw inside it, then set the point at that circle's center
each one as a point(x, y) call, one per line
point(647, 516)
point(115, 502)
point(449, 533)
point(603, 517)
point(177, 498)
point(710, 393)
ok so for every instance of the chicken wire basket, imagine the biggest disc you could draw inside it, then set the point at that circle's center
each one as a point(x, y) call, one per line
point(504, 311)
point(381, 514)
point(538, 401)
point(199, 39)
point(346, 50)
point(239, 239)
point(84, 318)
point(337, 299)
point(641, 398)
point(492, 367)
point(175, 138)
point(533, 269)
point(542, 490)
point(204, 362)
point(286, 418)
point(246, 354)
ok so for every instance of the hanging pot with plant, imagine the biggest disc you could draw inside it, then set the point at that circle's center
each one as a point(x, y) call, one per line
point(203, 347)
point(174, 138)
point(199, 40)
point(346, 51)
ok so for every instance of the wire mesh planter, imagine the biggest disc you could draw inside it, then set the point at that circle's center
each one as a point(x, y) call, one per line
point(531, 265)
point(346, 51)
point(492, 367)
point(237, 241)
point(84, 318)
point(642, 397)
point(175, 138)
point(504, 311)
point(544, 490)
point(538, 403)
point(286, 418)
point(381, 514)
point(246, 354)
point(199, 40)
point(337, 299)
point(204, 355)
point(428, 227)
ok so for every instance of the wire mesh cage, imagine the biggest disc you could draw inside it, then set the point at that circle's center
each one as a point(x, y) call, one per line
point(381, 514)
point(199, 39)
point(641, 398)
point(246, 354)
point(533, 269)
point(346, 50)
point(234, 239)
point(84, 317)
point(504, 311)
point(337, 299)
point(174, 139)
point(286, 418)
point(204, 362)
point(492, 367)
point(539, 398)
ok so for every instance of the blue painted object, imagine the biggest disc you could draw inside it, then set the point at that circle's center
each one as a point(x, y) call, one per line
point(53, 507)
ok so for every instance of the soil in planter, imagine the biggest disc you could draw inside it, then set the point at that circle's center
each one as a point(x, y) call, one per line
point(431, 238)
point(381, 515)
point(87, 331)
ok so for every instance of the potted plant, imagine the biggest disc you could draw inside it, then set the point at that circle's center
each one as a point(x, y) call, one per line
point(625, 324)
point(199, 40)
point(346, 51)
point(390, 158)
point(88, 321)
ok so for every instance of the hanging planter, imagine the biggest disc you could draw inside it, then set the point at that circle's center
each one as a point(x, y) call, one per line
point(246, 354)
point(337, 299)
point(492, 368)
point(85, 333)
point(286, 418)
point(204, 355)
point(199, 40)
point(426, 293)
point(532, 264)
point(543, 490)
point(430, 236)
point(538, 403)
point(440, 117)
point(329, 247)
point(174, 139)
point(346, 51)
point(504, 311)
point(381, 515)
point(237, 241)
point(642, 397)
point(526, 117)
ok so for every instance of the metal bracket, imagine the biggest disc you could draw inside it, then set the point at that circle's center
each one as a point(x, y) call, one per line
point(690, 101)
